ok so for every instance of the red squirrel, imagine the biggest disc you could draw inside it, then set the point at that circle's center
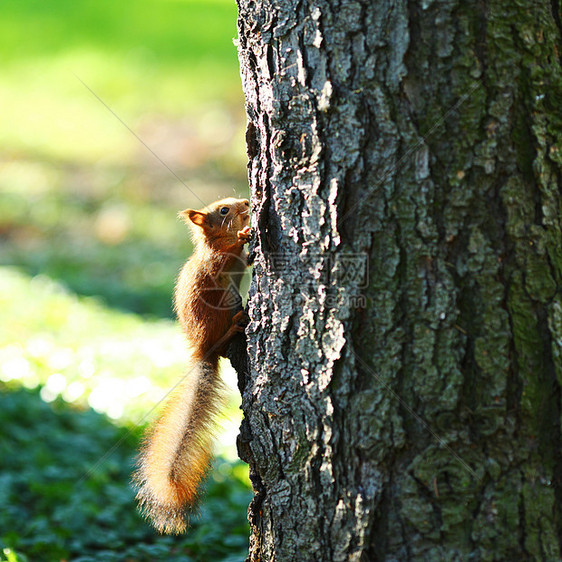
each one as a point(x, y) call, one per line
point(176, 451)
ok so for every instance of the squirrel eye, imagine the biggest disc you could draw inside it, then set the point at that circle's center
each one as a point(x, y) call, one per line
point(224, 210)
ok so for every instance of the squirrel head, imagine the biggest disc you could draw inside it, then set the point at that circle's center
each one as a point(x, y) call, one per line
point(221, 220)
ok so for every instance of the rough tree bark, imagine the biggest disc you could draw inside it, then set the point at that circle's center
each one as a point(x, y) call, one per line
point(413, 413)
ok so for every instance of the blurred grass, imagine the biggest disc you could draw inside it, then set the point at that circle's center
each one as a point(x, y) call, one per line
point(81, 199)
point(60, 503)
point(65, 472)
point(90, 245)
point(116, 362)
point(148, 60)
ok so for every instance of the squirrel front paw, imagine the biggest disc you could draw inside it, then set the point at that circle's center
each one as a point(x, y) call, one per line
point(246, 234)
point(240, 321)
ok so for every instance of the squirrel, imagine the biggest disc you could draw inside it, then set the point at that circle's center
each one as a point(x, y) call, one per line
point(175, 452)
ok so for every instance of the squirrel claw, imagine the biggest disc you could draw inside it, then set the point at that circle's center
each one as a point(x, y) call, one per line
point(246, 234)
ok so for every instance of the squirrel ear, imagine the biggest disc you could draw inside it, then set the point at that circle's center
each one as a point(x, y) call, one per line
point(196, 217)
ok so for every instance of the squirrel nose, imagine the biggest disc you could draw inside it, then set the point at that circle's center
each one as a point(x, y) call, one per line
point(246, 202)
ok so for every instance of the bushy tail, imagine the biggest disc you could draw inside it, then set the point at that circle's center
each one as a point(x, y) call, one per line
point(175, 454)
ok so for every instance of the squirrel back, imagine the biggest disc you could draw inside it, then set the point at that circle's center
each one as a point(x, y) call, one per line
point(176, 451)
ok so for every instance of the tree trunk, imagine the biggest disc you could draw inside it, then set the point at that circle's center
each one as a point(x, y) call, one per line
point(403, 400)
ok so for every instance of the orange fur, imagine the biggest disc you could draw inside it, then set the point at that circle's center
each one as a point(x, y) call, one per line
point(176, 450)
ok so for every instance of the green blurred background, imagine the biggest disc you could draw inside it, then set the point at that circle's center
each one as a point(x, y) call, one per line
point(90, 245)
